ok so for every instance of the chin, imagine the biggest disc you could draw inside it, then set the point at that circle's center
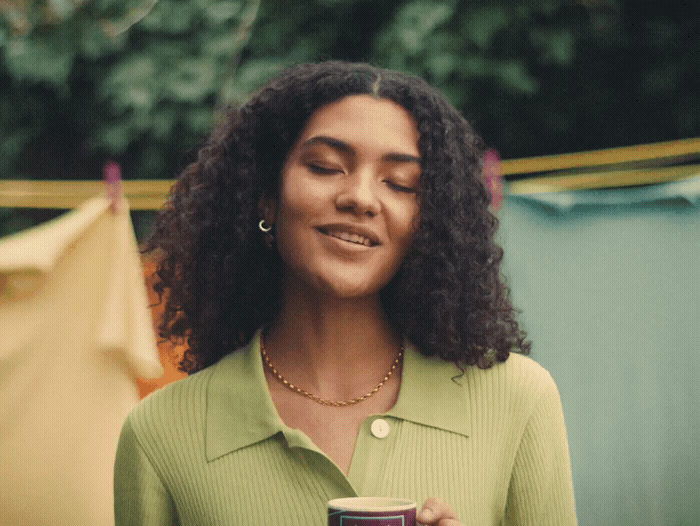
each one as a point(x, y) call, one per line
point(346, 287)
point(344, 290)
point(332, 280)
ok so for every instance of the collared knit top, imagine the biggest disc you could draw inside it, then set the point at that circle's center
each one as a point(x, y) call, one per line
point(212, 450)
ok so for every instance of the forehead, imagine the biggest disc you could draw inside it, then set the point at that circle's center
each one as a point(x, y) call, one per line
point(365, 121)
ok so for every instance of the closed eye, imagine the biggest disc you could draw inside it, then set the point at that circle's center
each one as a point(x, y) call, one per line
point(401, 188)
point(324, 170)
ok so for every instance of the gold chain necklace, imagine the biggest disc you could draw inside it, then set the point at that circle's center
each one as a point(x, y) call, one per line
point(318, 399)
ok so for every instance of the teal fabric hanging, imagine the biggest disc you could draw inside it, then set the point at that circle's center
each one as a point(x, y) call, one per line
point(608, 282)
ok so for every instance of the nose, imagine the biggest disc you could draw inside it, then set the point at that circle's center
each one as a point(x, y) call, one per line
point(358, 194)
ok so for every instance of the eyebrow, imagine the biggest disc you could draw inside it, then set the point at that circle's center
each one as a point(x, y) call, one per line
point(344, 147)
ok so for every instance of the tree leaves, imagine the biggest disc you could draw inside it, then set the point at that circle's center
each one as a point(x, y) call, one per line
point(38, 60)
point(141, 79)
point(149, 71)
point(483, 23)
point(417, 20)
point(222, 12)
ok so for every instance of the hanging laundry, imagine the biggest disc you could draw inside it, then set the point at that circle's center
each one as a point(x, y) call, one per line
point(608, 282)
point(75, 333)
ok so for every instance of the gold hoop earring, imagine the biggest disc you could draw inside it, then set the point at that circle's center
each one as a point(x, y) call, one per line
point(261, 226)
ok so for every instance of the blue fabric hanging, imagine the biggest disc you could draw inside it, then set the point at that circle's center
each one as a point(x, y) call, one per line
point(608, 282)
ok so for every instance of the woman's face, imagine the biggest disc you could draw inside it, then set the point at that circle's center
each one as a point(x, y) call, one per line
point(348, 205)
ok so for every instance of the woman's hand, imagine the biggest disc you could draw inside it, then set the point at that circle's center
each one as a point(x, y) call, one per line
point(437, 513)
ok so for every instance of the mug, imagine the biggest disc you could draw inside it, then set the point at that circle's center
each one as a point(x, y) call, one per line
point(371, 511)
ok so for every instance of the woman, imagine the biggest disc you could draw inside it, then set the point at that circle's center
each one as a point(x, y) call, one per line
point(330, 260)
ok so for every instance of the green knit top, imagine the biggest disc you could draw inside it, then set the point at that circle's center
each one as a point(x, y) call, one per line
point(212, 450)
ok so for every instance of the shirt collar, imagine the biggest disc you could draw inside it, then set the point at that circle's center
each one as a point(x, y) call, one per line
point(432, 393)
point(240, 410)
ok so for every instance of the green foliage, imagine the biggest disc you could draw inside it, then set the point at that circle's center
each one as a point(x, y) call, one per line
point(465, 46)
point(47, 59)
point(137, 77)
point(140, 81)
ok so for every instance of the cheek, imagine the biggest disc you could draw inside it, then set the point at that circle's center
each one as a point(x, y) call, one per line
point(406, 221)
point(296, 201)
point(296, 213)
point(301, 195)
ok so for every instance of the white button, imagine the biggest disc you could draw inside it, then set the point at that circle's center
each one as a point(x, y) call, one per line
point(380, 428)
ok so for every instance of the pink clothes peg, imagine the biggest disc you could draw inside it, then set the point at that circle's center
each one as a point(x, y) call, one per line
point(493, 174)
point(112, 175)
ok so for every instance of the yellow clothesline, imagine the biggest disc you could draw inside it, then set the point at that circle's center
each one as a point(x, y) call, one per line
point(603, 179)
point(610, 156)
point(151, 194)
point(142, 194)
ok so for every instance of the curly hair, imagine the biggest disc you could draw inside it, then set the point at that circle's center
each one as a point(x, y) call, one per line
point(221, 283)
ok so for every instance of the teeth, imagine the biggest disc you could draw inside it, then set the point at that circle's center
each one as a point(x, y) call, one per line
point(352, 238)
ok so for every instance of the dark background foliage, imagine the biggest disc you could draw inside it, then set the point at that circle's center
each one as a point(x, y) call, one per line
point(141, 81)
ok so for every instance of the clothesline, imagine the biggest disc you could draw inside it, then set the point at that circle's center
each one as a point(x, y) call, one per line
point(142, 194)
point(643, 164)
point(613, 167)
point(626, 154)
point(603, 179)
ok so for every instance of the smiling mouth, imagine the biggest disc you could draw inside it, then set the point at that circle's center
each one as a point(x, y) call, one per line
point(356, 239)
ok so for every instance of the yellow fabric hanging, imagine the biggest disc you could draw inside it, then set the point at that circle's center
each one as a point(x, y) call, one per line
point(75, 332)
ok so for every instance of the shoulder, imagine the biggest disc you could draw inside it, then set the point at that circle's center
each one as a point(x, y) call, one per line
point(172, 394)
point(517, 386)
point(172, 410)
point(526, 376)
point(519, 374)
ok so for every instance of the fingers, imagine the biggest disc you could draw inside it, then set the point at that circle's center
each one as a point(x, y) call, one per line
point(438, 513)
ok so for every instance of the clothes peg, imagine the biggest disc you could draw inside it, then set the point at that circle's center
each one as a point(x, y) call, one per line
point(112, 175)
point(493, 174)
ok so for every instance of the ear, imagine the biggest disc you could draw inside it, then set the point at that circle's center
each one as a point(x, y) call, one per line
point(267, 209)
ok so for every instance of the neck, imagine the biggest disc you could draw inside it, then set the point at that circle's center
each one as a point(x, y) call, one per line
point(336, 347)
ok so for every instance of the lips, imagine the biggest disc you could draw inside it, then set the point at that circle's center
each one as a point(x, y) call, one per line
point(352, 238)
point(351, 234)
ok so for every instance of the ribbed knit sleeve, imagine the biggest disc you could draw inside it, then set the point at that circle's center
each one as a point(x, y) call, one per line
point(140, 496)
point(541, 491)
